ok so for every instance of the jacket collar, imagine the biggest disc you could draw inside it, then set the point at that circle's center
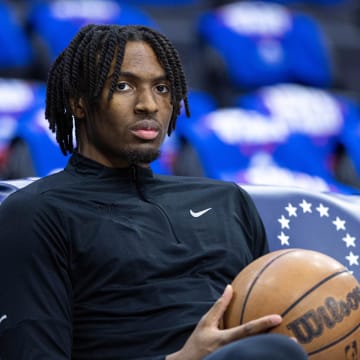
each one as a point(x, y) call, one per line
point(81, 165)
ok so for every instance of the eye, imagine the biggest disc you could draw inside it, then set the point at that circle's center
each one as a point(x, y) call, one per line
point(162, 88)
point(122, 86)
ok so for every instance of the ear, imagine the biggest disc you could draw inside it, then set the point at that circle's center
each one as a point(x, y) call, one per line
point(78, 108)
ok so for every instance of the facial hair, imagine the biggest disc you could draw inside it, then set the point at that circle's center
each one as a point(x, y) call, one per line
point(138, 156)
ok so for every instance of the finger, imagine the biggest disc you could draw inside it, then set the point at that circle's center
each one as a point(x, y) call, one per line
point(217, 310)
point(253, 327)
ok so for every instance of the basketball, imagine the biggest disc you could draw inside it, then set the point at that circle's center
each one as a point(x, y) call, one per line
point(318, 298)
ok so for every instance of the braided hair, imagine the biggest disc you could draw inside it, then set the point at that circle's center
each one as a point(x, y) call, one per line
point(80, 71)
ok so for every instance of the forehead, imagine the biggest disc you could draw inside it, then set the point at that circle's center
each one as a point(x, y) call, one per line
point(139, 57)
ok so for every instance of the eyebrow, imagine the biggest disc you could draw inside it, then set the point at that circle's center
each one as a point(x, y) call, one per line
point(131, 75)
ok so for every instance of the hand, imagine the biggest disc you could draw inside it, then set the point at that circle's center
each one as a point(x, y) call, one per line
point(207, 336)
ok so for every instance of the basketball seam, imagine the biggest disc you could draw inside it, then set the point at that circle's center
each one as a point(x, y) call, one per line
point(255, 280)
point(303, 296)
point(334, 342)
point(312, 289)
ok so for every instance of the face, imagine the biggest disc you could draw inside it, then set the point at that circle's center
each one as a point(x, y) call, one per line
point(129, 128)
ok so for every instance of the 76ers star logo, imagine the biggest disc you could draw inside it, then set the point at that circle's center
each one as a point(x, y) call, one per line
point(319, 226)
point(299, 218)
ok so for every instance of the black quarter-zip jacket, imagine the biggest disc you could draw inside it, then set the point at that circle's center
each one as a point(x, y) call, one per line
point(102, 263)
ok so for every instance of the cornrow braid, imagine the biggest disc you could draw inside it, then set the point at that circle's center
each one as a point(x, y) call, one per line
point(81, 70)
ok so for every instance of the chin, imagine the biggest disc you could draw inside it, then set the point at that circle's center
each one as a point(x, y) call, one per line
point(142, 155)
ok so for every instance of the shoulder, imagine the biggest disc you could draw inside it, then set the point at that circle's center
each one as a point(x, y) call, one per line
point(195, 184)
point(32, 213)
point(193, 181)
point(33, 194)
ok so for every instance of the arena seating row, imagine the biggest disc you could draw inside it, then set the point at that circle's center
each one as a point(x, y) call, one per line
point(275, 31)
point(270, 115)
point(280, 134)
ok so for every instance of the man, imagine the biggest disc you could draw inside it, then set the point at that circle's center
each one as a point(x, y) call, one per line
point(106, 260)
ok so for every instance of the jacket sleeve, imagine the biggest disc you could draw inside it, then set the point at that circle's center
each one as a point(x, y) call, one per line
point(257, 239)
point(35, 286)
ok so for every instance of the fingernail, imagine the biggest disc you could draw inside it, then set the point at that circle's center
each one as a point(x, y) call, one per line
point(276, 319)
point(228, 286)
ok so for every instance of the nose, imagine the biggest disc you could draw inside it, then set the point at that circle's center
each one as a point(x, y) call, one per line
point(146, 102)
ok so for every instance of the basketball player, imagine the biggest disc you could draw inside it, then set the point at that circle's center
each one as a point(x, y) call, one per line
point(106, 260)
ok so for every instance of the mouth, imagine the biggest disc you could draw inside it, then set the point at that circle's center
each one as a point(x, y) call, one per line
point(146, 129)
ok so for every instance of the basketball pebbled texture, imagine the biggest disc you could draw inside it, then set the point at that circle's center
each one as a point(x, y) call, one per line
point(318, 298)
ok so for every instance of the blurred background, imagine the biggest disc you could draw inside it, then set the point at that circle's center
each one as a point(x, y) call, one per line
point(274, 86)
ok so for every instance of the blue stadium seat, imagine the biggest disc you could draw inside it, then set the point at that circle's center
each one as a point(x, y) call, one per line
point(299, 218)
point(22, 123)
point(317, 120)
point(41, 143)
point(247, 146)
point(263, 43)
point(17, 98)
point(56, 22)
point(16, 49)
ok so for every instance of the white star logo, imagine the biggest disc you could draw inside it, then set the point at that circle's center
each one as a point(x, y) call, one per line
point(353, 259)
point(284, 239)
point(284, 222)
point(291, 210)
point(306, 206)
point(323, 210)
point(349, 240)
point(340, 224)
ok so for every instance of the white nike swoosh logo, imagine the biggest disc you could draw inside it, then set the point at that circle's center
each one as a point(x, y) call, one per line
point(3, 318)
point(197, 214)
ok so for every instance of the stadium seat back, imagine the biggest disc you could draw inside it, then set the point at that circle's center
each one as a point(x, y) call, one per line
point(298, 218)
point(17, 98)
point(247, 146)
point(263, 43)
point(16, 53)
point(318, 122)
point(56, 22)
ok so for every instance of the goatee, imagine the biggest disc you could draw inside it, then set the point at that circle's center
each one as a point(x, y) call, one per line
point(141, 157)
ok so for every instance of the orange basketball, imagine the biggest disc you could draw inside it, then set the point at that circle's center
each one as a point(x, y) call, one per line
point(318, 298)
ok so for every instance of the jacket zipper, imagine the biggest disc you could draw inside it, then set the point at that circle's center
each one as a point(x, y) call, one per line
point(159, 207)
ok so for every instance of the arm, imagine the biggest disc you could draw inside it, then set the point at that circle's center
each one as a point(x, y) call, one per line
point(35, 287)
point(208, 335)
